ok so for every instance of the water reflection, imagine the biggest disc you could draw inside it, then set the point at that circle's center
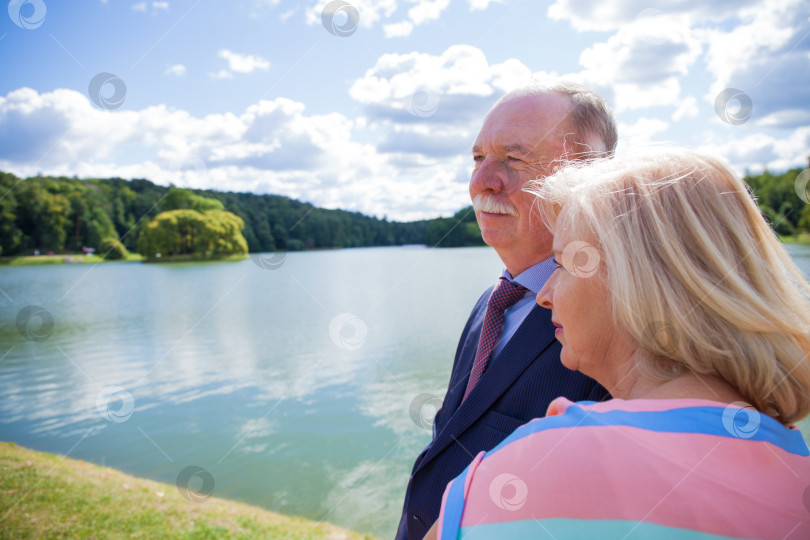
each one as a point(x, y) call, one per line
point(238, 370)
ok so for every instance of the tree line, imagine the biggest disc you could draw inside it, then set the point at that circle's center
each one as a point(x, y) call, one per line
point(62, 214)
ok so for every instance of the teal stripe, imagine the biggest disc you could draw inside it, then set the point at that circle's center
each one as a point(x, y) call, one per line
point(697, 420)
point(568, 529)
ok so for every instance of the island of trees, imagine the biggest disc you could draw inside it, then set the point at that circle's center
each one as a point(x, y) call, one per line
point(115, 216)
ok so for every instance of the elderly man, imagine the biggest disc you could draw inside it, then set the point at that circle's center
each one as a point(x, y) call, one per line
point(507, 367)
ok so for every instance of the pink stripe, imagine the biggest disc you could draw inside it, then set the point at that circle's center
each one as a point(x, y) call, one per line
point(722, 486)
point(634, 405)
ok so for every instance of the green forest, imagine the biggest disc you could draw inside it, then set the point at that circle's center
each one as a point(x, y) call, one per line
point(116, 216)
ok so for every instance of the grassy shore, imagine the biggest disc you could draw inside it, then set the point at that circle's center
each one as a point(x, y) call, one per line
point(801, 238)
point(49, 496)
point(36, 260)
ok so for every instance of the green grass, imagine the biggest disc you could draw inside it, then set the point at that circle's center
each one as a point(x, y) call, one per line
point(36, 260)
point(49, 496)
point(196, 258)
point(801, 238)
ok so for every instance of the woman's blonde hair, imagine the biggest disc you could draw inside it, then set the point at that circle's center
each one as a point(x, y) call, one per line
point(698, 277)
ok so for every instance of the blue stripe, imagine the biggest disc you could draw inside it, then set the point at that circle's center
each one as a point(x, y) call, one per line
point(556, 528)
point(454, 507)
point(699, 420)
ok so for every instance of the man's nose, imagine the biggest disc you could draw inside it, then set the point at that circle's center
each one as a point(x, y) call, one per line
point(489, 176)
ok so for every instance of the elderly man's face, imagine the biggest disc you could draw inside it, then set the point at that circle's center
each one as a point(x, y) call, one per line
point(518, 142)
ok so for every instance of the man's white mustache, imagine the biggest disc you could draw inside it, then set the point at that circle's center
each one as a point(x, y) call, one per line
point(493, 205)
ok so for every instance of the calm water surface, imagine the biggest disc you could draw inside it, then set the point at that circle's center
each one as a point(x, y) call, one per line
point(292, 387)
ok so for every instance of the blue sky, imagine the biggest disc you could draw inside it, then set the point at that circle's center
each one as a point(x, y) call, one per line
point(264, 96)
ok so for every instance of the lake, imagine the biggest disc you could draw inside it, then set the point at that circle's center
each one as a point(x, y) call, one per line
point(303, 383)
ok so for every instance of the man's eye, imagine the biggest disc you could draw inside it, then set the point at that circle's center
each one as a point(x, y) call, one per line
point(513, 158)
point(478, 157)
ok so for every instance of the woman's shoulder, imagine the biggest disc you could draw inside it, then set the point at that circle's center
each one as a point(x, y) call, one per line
point(655, 417)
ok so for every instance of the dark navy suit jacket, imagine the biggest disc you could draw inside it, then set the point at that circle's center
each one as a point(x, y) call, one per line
point(517, 386)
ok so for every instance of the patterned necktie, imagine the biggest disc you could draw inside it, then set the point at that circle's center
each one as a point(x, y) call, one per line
point(504, 295)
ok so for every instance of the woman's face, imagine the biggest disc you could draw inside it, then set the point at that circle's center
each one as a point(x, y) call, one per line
point(581, 309)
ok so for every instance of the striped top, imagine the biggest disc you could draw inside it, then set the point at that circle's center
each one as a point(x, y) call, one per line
point(664, 469)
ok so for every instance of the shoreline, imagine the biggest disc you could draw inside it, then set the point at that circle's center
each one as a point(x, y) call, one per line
point(48, 495)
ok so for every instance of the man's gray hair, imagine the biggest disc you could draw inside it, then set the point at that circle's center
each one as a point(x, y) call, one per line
point(591, 116)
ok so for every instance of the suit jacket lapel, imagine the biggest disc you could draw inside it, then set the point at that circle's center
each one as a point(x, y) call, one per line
point(533, 337)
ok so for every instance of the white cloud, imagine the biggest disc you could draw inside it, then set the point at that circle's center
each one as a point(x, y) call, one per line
point(758, 151)
point(427, 10)
point(643, 69)
point(400, 29)
point(755, 46)
point(244, 63)
point(143, 7)
point(460, 84)
point(177, 70)
point(271, 147)
point(480, 5)
point(687, 109)
point(639, 134)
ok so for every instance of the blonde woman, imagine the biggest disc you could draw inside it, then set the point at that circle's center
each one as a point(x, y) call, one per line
point(673, 292)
